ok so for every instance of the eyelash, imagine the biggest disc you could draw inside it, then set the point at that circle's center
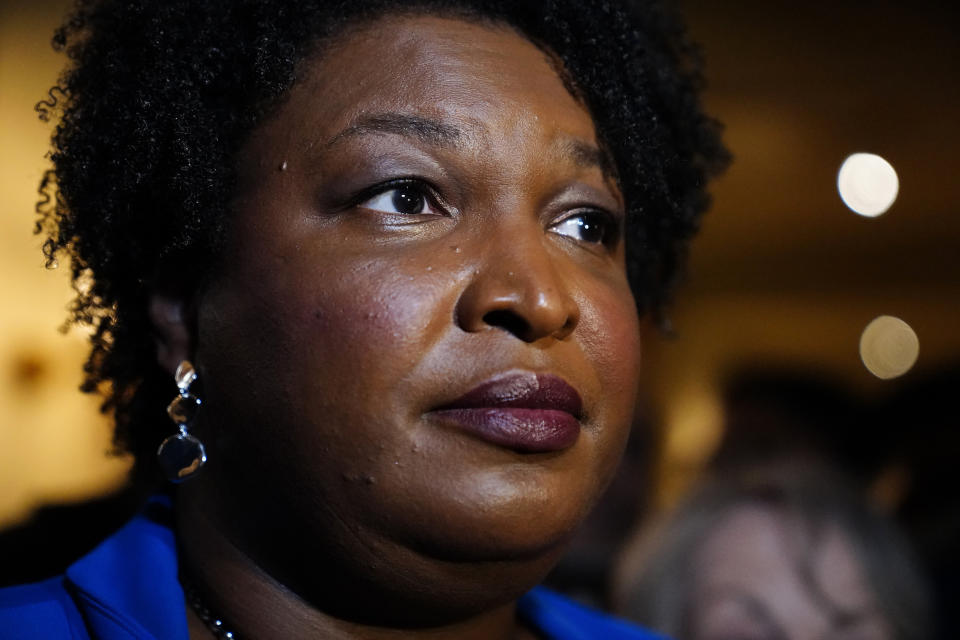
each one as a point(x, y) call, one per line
point(609, 223)
point(424, 189)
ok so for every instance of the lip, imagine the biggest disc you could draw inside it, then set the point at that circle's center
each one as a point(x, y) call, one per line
point(527, 412)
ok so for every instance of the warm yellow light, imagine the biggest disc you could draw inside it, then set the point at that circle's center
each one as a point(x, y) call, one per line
point(868, 184)
point(888, 347)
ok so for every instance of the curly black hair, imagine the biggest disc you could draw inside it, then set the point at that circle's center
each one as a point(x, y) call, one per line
point(160, 95)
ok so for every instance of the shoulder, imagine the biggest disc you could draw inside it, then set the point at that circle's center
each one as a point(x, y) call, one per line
point(39, 610)
point(561, 618)
point(124, 588)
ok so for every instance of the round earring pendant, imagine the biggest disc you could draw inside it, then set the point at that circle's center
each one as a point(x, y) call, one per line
point(181, 456)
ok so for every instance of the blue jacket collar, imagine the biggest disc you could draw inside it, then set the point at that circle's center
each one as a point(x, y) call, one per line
point(141, 601)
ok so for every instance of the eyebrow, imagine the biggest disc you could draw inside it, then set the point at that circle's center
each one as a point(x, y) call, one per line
point(589, 156)
point(424, 129)
point(583, 153)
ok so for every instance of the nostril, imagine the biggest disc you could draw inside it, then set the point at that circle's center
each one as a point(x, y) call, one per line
point(508, 321)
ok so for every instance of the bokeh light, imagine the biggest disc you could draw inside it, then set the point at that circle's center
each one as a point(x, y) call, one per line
point(888, 347)
point(868, 184)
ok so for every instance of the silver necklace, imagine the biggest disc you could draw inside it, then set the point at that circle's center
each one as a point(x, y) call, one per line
point(213, 621)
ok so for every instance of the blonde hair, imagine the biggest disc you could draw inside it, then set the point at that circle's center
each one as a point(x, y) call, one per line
point(656, 576)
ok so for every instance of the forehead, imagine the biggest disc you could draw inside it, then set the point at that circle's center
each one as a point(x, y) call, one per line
point(784, 562)
point(453, 70)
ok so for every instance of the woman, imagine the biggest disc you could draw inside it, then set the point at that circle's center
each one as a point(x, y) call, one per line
point(396, 250)
point(781, 552)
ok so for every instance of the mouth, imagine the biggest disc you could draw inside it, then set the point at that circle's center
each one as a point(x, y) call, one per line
point(526, 412)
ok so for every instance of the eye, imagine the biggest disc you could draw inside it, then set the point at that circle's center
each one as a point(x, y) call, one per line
point(589, 227)
point(404, 198)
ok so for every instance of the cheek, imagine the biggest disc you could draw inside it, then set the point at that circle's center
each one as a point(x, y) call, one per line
point(359, 314)
point(320, 342)
point(611, 339)
point(375, 324)
point(321, 356)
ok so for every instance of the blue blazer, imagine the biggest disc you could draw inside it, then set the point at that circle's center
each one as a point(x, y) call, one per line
point(127, 588)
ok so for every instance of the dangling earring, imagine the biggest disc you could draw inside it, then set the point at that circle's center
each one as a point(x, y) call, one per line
point(182, 455)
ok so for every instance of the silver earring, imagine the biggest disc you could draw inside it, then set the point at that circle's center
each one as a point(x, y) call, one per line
point(182, 455)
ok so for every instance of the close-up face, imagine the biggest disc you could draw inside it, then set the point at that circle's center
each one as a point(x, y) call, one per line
point(420, 348)
point(761, 576)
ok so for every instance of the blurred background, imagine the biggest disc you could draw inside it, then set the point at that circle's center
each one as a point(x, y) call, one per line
point(784, 274)
point(768, 349)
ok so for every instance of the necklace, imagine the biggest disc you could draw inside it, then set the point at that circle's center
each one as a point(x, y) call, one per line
point(213, 622)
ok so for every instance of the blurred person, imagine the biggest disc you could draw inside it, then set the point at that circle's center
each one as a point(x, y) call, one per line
point(787, 552)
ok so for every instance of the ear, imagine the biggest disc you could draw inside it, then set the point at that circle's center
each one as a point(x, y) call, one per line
point(171, 329)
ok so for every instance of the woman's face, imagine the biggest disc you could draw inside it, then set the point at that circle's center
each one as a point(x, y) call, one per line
point(763, 576)
point(420, 353)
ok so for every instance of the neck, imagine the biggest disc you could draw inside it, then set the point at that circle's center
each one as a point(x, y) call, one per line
point(252, 604)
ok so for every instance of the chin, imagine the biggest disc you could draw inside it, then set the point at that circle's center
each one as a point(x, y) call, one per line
point(501, 516)
point(422, 590)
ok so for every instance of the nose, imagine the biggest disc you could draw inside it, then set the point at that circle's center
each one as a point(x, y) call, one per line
point(519, 290)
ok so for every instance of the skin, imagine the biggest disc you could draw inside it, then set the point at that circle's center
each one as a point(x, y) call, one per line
point(750, 585)
point(333, 504)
